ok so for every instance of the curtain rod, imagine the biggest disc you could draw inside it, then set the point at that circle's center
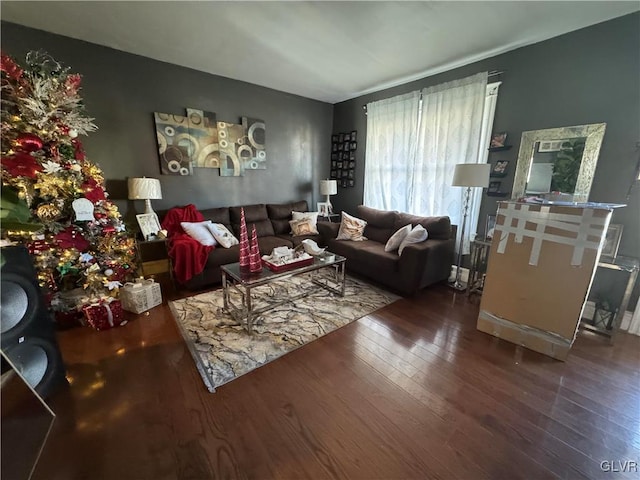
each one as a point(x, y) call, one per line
point(492, 73)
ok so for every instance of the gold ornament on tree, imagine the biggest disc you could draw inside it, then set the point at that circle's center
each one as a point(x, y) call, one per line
point(48, 212)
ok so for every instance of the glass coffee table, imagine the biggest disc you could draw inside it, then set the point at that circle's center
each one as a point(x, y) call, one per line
point(243, 283)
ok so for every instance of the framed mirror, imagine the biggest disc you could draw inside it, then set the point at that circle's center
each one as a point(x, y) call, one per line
point(559, 160)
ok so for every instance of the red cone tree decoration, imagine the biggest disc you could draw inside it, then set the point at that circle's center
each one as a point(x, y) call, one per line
point(245, 251)
point(255, 263)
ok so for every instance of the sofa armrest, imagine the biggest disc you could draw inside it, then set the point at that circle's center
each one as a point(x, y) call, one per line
point(328, 230)
point(420, 262)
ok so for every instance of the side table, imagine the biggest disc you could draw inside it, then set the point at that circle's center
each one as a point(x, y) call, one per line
point(630, 266)
point(478, 268)
point(153, 258)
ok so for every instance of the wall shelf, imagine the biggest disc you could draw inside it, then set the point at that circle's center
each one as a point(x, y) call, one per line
point(500, 149)
point(498, 194)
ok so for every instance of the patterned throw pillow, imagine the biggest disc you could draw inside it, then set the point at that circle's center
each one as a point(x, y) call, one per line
point(304, 226)
point(351, 228)
point(396, 239)
point(311, 216)
point(222, 235)
point(417, 235)
point(200, 232)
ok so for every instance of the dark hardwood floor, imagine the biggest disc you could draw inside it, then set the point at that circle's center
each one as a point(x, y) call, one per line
point(411, 391)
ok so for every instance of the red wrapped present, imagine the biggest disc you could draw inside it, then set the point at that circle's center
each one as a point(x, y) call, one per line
point(69, 319)
point(104, 314)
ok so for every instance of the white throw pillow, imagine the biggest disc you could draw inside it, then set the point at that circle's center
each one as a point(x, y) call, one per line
point(304, 226)
point(311, 216)
point(417, 235)
point(200, 232)
point(351, 228)
point(396, 239)
point(222, 234)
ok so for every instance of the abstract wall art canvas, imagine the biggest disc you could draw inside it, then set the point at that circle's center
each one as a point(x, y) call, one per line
point(255, 132)
point(200, 141)
point(172, 132)
point(203, 131)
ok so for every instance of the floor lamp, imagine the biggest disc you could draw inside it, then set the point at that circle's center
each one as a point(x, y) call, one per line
point(468, 175)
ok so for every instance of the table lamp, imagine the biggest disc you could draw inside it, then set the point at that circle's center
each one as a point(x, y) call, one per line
point(328, 188)
point(467, 175)
point(146, 189)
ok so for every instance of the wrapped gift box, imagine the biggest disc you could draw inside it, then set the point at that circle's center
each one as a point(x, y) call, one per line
point(67, 306)
point(140, 296)
point(69, 319)
point(104, 314)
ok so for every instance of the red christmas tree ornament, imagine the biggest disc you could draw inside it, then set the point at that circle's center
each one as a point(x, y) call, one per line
point(28, 142)
point(93, 191)
point(79, 151)
point(72, 83)
point(10, 67)
point(255, 262)
point(245, 250)
point(21, 165)
point(71, 238)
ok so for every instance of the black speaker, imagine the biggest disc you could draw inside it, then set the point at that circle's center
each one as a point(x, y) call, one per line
point(27, 332)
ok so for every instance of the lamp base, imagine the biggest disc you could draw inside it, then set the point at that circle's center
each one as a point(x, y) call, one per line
point(459, 286)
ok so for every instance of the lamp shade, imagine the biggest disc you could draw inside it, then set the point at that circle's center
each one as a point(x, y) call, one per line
point(328, 187)
point(144, 189)
point(471, 175)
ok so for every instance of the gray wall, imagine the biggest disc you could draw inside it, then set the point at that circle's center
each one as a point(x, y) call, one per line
point(588, 76)
point(122, 91)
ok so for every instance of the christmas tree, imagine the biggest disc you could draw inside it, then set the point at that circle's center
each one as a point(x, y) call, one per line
point(75, 235)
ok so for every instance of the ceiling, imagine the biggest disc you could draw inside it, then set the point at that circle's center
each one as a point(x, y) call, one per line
point(329, 51)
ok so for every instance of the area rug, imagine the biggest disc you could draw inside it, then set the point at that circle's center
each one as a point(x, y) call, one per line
point(223, 350)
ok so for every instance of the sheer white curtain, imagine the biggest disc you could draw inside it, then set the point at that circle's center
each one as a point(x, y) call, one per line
point(392, 133)
point(633, 325)
point(414, 142)
point(450, 133)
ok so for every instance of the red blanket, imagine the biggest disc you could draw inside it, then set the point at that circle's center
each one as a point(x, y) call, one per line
point(187, 254)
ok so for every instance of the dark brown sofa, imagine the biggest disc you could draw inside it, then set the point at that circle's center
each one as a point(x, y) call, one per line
point(419, 265)
point(272, 228)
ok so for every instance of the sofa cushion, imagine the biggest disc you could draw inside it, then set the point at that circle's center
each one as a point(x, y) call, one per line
point(254, 215)
point(223, 256)
point(437, 227)
point(303, 226)
point(218, 215)
point(222, 235)
point(417, 235)
point(200, 232)
point(396, 239)
point(380, 223)
point(267, 244)
point(297, 240)
point(311, 217)
point(280, 214)
point(366, 252)
point(351, 228)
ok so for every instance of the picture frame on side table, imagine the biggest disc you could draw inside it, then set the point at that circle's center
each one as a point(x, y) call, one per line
point(323, 209)
point(612, 242)
point(149, 225)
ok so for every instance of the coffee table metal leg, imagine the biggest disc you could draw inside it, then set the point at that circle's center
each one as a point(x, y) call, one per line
point(249, 311)
point(343, 278)
point(225, 291)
